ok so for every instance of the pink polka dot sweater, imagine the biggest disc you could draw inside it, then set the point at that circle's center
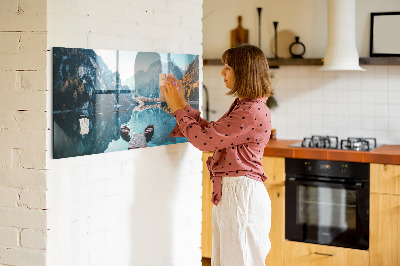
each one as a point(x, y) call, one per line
point(238, 139)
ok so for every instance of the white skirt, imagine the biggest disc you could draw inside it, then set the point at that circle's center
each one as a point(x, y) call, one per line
point(241, 223)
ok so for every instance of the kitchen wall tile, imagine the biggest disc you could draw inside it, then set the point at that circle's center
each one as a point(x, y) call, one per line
point(354, 80)
point(394, 137)
point(394, 110)
point(380, 84)
point(304, 72)
point(380, 71)
point(317, 121)
point(367, 110)
point(355, 109)
point(317, 95)
point(304, 109)
point(315, 72)
point(367, 96)
point(306, 92)
point(316, 82)
point(367, 82)
point(355, 122)
point(355, 96)
point(291, 71)
point(367, 133)
point(382, 136)
point(394, 83)
point(381, 110)
point(329, 109)
point(342, 133)
point(329, 122)
point(293, 120)
point(381, 123)
point(328, 74)
point(317, 107)
point(394, 123)
point(394, 97)
point(381, 97)
point(355, 132)
point(292, 83)
point(304, 82)
point(367, 122)
point(342, 109)
point(342, 122)
point(342, 96)
point(329, 93)
point(342, 80)
point(393, 71)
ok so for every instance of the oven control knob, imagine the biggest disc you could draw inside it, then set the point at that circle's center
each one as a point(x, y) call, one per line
point(343, 168)
point(308, 166)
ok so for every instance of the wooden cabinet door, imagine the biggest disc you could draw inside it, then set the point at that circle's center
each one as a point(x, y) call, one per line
point(384, 236)
point(385, 178)
point(304, 254)
point(277, 233)
point(206, 226)
point(274, 168)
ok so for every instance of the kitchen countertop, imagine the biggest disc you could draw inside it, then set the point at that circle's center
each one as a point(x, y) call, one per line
point(389, 154)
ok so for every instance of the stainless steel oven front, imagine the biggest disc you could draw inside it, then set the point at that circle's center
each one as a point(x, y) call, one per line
point(327, 202)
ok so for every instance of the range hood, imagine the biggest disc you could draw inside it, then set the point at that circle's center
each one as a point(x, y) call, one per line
point(341, 51)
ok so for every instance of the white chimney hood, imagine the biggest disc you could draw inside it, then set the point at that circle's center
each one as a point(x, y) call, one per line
point(341, 51)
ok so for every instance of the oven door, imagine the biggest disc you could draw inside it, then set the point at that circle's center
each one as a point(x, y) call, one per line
point(327, 213)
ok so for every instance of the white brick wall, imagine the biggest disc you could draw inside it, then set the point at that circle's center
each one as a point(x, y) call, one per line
point(137, 207)
point(23, 128)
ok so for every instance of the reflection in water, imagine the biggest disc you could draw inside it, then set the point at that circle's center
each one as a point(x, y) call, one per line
point(91, 102)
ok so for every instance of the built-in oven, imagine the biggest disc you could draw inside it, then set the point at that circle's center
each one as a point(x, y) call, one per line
point(327, 202)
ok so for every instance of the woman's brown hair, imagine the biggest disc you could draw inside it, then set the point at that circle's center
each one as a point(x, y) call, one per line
point(250, 66)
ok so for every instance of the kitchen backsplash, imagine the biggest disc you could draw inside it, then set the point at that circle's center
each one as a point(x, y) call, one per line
point(314, 102)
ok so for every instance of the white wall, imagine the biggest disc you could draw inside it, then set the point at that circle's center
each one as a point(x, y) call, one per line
point(137, 207)
point(23, 133)
point(311, 102)
point(304, 18)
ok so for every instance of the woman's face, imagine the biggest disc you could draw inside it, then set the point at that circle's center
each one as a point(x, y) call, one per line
point(229, 76)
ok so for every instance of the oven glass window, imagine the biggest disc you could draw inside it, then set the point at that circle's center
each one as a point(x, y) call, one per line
point(326, 207)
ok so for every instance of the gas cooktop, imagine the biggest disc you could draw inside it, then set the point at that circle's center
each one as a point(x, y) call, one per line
point(332, 142)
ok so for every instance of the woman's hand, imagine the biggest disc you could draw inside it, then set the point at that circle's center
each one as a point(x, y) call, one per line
point(174, 94)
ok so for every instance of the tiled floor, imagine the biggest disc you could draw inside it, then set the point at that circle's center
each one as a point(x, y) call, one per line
point(206, 261)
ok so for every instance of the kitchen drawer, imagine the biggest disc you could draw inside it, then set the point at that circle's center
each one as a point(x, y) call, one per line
point(305, 254)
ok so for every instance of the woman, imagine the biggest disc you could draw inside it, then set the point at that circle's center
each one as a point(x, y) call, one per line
point(242, 211)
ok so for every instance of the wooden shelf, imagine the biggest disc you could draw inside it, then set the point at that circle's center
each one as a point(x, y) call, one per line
point(380, 61)
point(274, 63)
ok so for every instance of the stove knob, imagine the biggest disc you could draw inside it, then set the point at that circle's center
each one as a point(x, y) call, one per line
point(343, 168)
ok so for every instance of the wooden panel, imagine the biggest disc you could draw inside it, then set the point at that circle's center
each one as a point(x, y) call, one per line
point(277, 233)
point(206, 232)
point(304, 254)
point(384, 230)
point(274, 168)
point(385, 178)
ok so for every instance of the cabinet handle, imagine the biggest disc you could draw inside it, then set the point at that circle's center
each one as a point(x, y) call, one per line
point(324, 254)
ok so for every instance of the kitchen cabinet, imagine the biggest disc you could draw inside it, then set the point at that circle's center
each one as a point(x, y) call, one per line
point(305, 254)
point(385, 178)
point(206, 225)
point(385, 214)
point(274, 168)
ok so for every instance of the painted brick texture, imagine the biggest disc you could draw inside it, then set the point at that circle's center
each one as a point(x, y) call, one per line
point(137, 207)
point(23, 218)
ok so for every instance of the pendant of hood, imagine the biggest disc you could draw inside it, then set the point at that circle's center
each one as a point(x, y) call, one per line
point(341, 51)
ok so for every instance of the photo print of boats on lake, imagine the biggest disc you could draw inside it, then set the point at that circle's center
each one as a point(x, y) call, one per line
point(109, 100)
